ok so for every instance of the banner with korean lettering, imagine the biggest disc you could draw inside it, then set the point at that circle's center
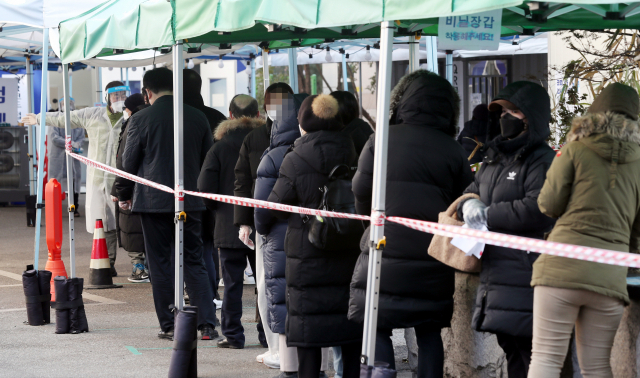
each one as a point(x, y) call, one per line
point(479, 31)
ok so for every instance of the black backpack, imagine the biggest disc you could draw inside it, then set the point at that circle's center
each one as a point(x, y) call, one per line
point(332, 234)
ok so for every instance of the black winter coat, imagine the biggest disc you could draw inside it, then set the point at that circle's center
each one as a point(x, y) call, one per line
point(128, 224)
point(317, 280)
point(214, 118)
point(272, 229)
point(509, 182)
point(359, 131)
point(218, 177)
point(426, 171)
point(474, 130)
point(149, 154)
point(246, 170)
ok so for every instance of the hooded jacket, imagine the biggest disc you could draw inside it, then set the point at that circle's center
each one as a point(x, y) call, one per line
point(283, 134)
point(246, 170)
point(148, 153)
point(509, 182)
point(359, 131)
point(218, 177)
point(317, 280)
point(593, 189)
point(426, 171)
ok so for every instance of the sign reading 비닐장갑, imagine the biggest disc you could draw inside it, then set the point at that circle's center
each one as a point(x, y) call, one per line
point(479, 31)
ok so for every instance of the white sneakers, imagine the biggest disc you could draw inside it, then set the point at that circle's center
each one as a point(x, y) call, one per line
point(261, 357)
point(218, 304)
point(272, 361)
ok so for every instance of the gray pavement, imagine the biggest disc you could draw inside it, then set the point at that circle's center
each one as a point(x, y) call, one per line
point(122, 340)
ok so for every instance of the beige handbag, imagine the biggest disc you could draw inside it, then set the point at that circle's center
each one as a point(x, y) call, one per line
point(441, 248)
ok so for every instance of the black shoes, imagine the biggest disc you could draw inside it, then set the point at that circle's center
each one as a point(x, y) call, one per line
point(208, 333)
point(224, 343)
point(166, 335)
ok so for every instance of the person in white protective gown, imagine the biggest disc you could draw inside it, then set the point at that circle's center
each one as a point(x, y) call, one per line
point(103, 125)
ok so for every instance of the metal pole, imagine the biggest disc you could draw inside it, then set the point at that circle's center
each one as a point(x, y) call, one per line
point(41, 150)
point(30, 135)
point(414, 54)
point(432, 54)
point(100, 96)
point(70, 86)
point(265, 67)
point(66, 85)
point(127, 78)
point(293, 69)
point(121, 75)
point(345, 82)
point(178, 166)
point(377, 240)
point(449, 64)
point(360, 88)
point(253, 78)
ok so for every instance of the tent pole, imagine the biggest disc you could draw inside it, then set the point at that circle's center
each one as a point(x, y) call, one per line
point(127, 78)
point(66, 85)
point(41, 150)
point(432, 54)
point(360, 92)
point(70, 74)
point(379, 192)
point(100, 96)
point(253, 77)
point(265, 67)
point(345, 76)
point(32, 188)
point(414, 54)
point(178, 166)
point(121, 75)
point(293, 69)
point(449, 63)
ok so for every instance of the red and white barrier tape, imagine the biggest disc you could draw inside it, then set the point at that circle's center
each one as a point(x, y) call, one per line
point(517, 242)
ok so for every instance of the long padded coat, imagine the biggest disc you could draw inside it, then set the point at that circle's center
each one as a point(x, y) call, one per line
point(317, 280)
point(427, 170)
point(509, 182)
point(272, 229)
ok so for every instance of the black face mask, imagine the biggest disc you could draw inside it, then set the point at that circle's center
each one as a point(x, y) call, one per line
point(510, 126)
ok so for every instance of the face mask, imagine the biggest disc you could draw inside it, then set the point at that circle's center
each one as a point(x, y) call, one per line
point(125, 115)
point(118, 107)
point(273, 114)
point(510, 126)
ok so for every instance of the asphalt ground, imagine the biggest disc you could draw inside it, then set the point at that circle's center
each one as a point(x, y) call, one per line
point(122, 341)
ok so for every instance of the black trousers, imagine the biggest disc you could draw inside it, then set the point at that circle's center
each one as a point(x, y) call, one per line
point(233, 262)
point(430, 351)
point(518, 351)
point(310, 361)
point(159, 235)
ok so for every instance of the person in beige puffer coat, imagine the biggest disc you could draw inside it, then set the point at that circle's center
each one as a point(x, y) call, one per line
point(593, 189)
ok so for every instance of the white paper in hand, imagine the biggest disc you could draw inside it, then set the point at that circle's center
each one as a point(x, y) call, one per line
point(469, 246)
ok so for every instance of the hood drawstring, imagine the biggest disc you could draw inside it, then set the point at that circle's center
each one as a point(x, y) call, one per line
point(614, 164)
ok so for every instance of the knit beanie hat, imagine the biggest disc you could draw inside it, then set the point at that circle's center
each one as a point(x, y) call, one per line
point(319, 112)
point(617, 98)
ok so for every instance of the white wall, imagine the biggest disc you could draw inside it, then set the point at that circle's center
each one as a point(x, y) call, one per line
point(82, 87)
point(212, 71)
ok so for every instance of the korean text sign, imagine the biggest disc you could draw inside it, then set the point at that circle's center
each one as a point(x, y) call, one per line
point(479, 31)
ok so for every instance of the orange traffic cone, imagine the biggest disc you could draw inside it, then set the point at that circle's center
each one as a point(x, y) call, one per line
point(53, 214)
point(100, 267)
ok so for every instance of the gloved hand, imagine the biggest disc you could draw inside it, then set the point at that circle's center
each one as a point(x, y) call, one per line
point(29, 119)
point(76, 145)
point(245, 236)
point(125, 205)
point(114, 199)
point(475, 214)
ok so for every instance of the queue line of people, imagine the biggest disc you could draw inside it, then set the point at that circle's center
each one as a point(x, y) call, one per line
point(310, 299)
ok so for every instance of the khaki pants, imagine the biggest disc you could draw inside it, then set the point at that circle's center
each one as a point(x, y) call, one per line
point(555, 312)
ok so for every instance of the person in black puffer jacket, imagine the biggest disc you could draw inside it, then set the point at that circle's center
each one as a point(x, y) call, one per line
point(514, 168)
point(475, 133)
point(317, 280)
point(356, 128)
point(217, 176)
point(128, 224)
point(427, 171)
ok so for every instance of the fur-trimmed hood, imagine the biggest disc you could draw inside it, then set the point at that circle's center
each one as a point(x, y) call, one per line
point(608, 133)
point(425, 99)
point(238, 123)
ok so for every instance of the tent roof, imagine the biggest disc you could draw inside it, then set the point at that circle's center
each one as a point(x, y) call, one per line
point(133, 25)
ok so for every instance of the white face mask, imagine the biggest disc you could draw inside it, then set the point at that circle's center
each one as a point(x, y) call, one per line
point(118, 107)
point(273, 114)
point(125, 115)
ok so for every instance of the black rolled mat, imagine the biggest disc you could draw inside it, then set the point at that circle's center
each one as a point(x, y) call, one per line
point(185, 342)
point(62, 295)
point(44, 281)
point(33, 298)
point(77, 316)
